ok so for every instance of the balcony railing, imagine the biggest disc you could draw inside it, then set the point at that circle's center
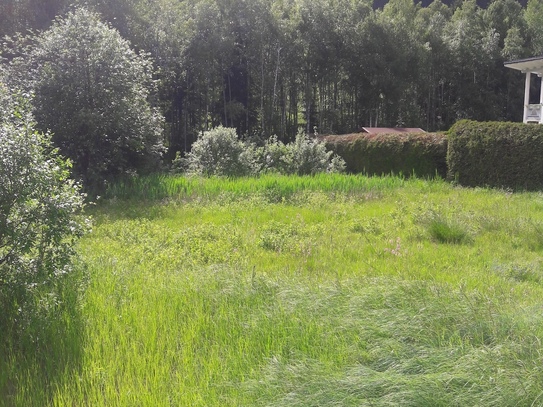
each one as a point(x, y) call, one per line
point(533, 114)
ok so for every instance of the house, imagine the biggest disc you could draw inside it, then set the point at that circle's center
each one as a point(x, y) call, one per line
point(390, 130)
point(530, 67)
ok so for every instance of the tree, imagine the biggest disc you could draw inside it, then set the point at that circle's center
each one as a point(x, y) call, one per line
point(23, 15)
point(39, 214)
point(162, 28)
point(93, 92)
point(502, 15)
point(406, 63)
point(474, 49)
point(506, 17)
point(534, 19)
point(270, 66)
point(431, 22)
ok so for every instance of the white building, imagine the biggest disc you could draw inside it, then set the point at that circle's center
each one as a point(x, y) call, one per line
point(530, 66)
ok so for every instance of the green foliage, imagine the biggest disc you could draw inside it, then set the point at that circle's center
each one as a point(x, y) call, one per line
point(295, 237)
point(270, 66)
point(40, 218)
point(336, 295)
point(496, 154)
point(277, 237)
point(421, 154)
point(92, 91)
point(305, 156)
point(219, 152)
point(444, 230)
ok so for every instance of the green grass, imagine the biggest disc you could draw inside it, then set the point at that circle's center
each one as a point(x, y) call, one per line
point(296, 291)
point(273, 187)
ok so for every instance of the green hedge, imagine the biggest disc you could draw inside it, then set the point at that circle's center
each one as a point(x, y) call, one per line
point(496, 154)
point(422, 154)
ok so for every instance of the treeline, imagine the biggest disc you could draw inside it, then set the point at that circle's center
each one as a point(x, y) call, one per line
point(271, 66)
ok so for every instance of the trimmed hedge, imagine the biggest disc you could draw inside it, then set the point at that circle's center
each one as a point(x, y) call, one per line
point(496, 154)
point(422, 154)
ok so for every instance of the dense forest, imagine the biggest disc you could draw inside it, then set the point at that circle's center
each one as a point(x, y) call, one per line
point(269, 67)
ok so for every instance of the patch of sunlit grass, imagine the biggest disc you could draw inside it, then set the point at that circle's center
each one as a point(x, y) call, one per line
point(328, 290)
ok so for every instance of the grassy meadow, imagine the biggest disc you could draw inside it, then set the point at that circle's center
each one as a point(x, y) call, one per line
point(333, 290)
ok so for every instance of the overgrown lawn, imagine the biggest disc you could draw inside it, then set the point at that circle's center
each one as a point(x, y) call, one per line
point(297, 291)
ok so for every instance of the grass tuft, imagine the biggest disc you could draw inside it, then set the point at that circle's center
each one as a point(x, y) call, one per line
point(445, 231)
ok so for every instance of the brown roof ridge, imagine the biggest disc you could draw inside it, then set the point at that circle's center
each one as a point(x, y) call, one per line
point(378, 130)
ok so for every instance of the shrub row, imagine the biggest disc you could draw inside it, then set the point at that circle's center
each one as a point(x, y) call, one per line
point(219, 152)
point(488, 154)
point(496, 154)
point(422, 154)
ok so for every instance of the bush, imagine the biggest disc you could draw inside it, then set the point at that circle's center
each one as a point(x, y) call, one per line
point(496, 154)
point(305, 156)
point(309, 156)
point(219, 152)
point(275, 157)
point(92, 92)
point(423, 154)
point(39, 215)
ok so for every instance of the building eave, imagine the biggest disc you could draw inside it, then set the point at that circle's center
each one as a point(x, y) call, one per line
point(532, 65)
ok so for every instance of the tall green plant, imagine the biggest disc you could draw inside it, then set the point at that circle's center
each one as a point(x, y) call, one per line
point(219, 152)
point(93, 92)
point(308, 156)
point(39, 215)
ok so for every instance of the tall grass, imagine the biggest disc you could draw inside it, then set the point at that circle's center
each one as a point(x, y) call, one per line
point(163, 186)
point(327, 297)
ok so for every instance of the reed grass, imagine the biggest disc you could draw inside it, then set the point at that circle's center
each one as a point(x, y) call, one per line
point(163, 186)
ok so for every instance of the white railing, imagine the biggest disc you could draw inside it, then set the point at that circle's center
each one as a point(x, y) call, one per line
point(533, 113)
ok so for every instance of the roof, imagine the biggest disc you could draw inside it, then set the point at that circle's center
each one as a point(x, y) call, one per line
point(378, 130)
point(534, 65)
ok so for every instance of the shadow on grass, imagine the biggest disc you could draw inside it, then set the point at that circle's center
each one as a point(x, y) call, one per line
point(41, 346)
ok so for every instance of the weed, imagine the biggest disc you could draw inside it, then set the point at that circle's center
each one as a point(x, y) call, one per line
point(395, 247)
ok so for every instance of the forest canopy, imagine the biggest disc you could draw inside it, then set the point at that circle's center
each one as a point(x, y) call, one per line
point(269, 67)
